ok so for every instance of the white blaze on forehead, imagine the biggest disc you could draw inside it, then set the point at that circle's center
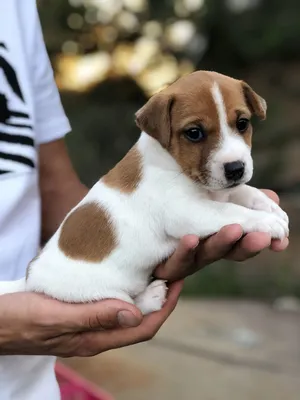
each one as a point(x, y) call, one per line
point(232, 147)
point(221, 110)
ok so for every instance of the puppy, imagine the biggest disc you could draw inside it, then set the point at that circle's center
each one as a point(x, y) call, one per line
point(187, 174)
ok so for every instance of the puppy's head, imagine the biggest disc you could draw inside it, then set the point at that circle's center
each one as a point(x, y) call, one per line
point(203, 121)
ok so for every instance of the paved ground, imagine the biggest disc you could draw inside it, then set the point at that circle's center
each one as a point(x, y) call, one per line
point(208, 350)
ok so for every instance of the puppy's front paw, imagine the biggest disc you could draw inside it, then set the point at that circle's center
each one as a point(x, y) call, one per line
point(153, 298)
point(260, 201)
point(268, 223)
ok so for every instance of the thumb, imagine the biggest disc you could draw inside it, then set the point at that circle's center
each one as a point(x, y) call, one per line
point(105, 314)
point(37, 309)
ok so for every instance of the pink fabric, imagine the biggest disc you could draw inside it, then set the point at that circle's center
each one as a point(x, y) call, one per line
point(74, 387)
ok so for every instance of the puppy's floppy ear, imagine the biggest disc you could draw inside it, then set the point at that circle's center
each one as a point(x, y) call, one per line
point(154, 118)
point(257, 104)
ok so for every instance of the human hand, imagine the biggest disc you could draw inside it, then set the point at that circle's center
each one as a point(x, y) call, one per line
point(33, 324)
point(229, 243)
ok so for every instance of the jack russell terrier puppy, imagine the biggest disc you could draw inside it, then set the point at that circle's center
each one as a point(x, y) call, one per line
point(187, 174)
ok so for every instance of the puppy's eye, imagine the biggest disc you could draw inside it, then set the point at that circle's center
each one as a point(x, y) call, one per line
point(195, 134)
point(242, 124)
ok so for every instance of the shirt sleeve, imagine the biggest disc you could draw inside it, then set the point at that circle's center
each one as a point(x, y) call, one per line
point(51, 122)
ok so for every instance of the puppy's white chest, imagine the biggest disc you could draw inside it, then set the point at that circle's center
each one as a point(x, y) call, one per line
point(221, 196)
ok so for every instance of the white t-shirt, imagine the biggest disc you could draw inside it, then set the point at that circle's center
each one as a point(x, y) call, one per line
point(30, 114)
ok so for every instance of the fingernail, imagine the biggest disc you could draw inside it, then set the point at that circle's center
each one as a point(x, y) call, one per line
point(240, 236)
point(127, 319)
point(196, 245)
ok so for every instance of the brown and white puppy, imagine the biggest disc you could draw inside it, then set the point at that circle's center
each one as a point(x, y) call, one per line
point(187, 174)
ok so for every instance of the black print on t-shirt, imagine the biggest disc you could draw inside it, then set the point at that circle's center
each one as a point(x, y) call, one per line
point(15, 125)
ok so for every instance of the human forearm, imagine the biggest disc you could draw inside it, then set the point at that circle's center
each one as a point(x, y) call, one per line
point(60, 186)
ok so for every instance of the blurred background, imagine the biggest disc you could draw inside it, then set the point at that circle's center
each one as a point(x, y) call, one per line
point(109, 56)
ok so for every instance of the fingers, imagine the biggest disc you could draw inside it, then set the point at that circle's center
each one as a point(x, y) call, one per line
point(218, 245)
point(96, 342)
point(272, 195)
point(184, 256)
point(279, 245)
point(226, 243)
point(254, 243)
point(187, 259)
point(249, 246)
point(152, 322)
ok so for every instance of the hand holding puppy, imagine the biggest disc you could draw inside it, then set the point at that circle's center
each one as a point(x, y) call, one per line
point(192, 255)
point(32, 324)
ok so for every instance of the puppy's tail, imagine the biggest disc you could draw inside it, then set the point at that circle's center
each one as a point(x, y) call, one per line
point(12, 286)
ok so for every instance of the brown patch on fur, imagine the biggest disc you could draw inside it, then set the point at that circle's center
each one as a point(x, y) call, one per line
point(257, 104)
point(87, 234)
point(127, 174)
point(194, 106)
point(154, 118)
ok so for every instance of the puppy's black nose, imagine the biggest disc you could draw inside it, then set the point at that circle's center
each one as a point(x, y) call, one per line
point(234, 170)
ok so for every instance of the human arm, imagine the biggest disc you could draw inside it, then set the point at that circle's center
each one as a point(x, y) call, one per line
point(60, 187)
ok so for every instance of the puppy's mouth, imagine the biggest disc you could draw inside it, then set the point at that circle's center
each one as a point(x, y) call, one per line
point(233, 185)
point(218, 187)
point(215, 184)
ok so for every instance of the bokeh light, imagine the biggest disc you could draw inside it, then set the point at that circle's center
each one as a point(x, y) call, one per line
point(128, 43)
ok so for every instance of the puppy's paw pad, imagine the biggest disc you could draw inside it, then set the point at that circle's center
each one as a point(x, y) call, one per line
point(158, 283)
point(153, 298)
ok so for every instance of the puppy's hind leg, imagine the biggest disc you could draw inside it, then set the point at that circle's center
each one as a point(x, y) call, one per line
point(153, 297)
